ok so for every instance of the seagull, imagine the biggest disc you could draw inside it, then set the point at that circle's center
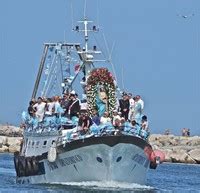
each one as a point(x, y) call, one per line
point(185, 16)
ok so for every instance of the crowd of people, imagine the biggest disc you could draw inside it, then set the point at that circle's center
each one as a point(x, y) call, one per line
point(127, 117)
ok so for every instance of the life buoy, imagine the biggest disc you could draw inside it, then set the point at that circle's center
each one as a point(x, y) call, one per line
point(52, 154)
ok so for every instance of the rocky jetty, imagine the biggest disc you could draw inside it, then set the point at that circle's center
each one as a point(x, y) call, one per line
point(10, 138)
point(10, 131)
point(177, 149)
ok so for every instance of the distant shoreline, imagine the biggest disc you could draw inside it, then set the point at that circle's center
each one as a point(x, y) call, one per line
point(177, 149)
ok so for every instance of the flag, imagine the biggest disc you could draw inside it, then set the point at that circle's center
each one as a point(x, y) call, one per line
point(77, 68)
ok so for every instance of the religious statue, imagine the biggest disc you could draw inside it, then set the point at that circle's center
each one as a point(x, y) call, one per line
point(101, 100)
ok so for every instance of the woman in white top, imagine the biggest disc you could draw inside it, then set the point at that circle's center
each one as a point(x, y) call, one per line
point(105, 118)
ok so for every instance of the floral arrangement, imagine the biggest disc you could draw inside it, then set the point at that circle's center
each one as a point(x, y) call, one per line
point(101, 76)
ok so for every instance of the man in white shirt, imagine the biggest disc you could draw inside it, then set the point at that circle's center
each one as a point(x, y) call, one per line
point(131, 108)
point(40, 109)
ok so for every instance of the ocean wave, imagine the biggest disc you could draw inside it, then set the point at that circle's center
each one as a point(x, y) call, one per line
point(107, 185)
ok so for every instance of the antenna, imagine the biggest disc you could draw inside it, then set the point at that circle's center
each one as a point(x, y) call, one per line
point(85, 6)
point(122, 76)
point(98, 13)
point(72, 15)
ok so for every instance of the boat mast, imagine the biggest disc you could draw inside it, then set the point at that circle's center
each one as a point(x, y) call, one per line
point(85, 53)
point(37, 82)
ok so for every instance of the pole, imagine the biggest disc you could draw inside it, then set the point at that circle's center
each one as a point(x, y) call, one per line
point(40, 71)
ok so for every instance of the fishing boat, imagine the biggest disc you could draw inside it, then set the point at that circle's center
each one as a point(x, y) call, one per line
point(54, 149)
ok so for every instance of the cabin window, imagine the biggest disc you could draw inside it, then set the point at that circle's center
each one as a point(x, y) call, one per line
point(37, 143)
point(33, 143)
point(29, 142)
point(45, 142)
point(52, 141)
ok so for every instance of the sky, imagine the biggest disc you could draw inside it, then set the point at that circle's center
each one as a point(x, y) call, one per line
point(156, 53)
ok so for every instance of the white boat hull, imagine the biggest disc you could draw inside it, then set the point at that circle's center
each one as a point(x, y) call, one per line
point(115, 160)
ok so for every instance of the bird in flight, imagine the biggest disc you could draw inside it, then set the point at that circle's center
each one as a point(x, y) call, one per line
point(185, 16)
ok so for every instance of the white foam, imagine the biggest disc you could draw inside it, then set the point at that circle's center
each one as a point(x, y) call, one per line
point(111, 185)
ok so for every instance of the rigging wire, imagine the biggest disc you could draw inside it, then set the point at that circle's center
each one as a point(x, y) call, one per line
point(60, 90)
point(52, 73)
point(47, 90)
point(49, 74)
point(122, 76)
point(110, 61)
point(99, 45)
point(61, 69)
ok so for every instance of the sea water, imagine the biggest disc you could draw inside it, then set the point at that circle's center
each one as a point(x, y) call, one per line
point(166, 178)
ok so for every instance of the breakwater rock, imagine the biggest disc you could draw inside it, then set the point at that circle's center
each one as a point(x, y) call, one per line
point(10, 131)
point(10, 144)
point(10, 138)
point(177, 149)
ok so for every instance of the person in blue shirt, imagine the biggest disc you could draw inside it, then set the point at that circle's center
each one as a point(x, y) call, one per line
point(95, 118)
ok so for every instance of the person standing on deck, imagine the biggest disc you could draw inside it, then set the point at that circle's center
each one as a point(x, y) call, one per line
point(64, 101)
point(40, 109)
point(139, 100)
point(73, 106)
point(138, 107)
point(57, 106)
point(131, 109)
point(49, 107)
point(31, 110)
point(124, 106)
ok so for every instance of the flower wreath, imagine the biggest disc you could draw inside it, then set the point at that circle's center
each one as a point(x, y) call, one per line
point(100, 76)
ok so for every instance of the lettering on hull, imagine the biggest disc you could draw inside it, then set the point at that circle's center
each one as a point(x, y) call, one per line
point(64, 162)
point(141, 160)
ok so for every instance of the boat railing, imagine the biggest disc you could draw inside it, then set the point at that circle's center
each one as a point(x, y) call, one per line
point(76, 134)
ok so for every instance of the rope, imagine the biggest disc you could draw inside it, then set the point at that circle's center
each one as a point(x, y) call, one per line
point(49, 74)
point(55, 69)
point(107, 48)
